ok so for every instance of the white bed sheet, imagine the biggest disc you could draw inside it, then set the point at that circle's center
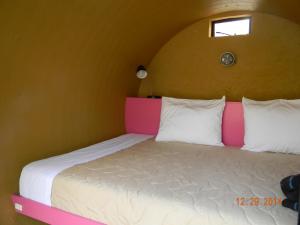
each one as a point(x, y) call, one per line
point(37, 177)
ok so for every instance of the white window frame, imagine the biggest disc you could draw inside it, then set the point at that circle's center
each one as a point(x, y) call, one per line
point(222, 20)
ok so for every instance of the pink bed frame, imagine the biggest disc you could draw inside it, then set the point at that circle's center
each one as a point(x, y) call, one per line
point(142, 116)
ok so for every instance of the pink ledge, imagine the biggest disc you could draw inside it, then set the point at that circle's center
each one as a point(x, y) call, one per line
point(48, 214)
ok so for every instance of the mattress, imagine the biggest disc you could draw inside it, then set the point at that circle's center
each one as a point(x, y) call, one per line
point(153, 183)
point(37, 177)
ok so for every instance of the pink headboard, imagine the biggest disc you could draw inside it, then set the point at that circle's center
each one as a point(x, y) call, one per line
point(142, 116)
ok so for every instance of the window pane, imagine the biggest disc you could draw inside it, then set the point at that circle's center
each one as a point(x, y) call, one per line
point(231, 27)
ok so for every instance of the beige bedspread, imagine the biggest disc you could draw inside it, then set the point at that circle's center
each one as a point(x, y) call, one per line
point(178, 184)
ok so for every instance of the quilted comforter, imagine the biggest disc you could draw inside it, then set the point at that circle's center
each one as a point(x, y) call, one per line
point(178, 184)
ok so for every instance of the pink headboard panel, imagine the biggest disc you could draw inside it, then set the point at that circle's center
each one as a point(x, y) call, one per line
point(142, 116)
point(233, 124)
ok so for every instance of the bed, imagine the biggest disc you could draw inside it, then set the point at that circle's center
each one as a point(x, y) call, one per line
point(133, 180)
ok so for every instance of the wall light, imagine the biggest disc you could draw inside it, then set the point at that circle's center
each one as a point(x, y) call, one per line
point(141, 72)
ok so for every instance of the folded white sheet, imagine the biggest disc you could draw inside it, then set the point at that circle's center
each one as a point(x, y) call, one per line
point(37, 177)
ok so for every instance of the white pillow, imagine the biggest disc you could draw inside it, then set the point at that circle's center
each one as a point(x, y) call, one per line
point(191, 121)
point(272, 125)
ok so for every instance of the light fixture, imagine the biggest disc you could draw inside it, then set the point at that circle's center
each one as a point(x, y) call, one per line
point(228, 59)
point(141, 72)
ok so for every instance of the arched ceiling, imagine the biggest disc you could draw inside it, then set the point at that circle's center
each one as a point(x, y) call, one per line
point(142, 25)
point(287, 9)
point(67, 65)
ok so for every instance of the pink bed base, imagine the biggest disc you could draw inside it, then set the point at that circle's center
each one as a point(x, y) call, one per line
point(48, 214)
point(142, 116)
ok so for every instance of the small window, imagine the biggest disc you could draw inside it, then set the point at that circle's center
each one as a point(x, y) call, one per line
point(231, 27)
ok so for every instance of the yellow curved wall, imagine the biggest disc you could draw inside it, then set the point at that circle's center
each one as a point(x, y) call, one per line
point(66, 67)
point(65, 70)
point(268, 63)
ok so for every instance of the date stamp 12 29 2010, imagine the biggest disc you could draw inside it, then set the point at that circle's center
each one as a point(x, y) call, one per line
point(258, 201)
